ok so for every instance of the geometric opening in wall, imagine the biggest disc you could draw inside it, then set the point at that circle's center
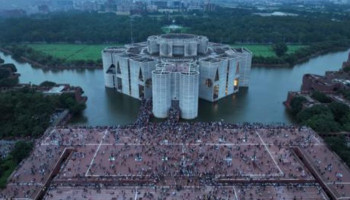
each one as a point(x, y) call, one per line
point(141, 91)
point(217, 75)
point(216, 92)
point(148, 83)
point(111, 69)
point(235, 84)
point(140, 75)
point(119, 84)
point(227, 78)
point(118, 69)
point(208, 82)
point(237, 69)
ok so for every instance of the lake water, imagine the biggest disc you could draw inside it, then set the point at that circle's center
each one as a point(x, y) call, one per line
point(261, 102)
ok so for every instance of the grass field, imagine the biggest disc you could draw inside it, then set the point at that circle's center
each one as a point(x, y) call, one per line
point(72, 52)
point(266, 50)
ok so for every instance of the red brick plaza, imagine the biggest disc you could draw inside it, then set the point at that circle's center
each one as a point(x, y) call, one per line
point(180, 161)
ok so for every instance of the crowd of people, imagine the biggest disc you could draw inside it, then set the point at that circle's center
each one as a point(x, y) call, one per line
point(178, 155)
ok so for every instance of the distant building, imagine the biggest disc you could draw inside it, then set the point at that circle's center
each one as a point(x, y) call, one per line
point(330, 83)
point(176, 68)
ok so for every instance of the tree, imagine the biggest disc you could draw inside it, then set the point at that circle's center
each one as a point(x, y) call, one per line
point(4, 73)
point(308, 113)
point(321, 97)
point(10, 66)
point(296, 104)
point(47, 84)
point(21, 150)
point(280, 49)
point(340, 111)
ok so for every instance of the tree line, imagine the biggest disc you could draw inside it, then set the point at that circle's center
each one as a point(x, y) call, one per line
point(27, 113)
point(328, 117)
point(223, 25)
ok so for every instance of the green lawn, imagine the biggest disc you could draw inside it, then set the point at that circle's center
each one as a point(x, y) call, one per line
point(266, 50)
point(72, 52)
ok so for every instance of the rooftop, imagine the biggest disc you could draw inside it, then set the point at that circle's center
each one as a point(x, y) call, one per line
point(177, 36)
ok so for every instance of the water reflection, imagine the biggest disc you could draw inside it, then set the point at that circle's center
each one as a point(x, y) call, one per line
point(262, 102)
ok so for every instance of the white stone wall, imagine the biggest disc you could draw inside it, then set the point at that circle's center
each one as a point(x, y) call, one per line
point(161, 94)
point(147, 68)
point(124, 63)
point(207, 71)
point(134, 76)
point(164, 87)
point(189, 95)
point(245, 67)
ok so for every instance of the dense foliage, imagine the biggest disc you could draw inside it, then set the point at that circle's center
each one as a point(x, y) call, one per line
point(317, 30)
point(27, 113)
point(304, 53)
point(280, 49)
point(21, 150)
point(325, 118)
point(224, 25)
point(321, 97)
point(7, 78)
point(78, 27)
point(296, 104)
point(47, 84)
point(338, 144)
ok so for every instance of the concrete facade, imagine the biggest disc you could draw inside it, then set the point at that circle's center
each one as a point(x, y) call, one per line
point(176, 67)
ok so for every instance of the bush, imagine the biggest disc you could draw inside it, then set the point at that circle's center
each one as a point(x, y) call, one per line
point(10, 66)
point(323, 123)
point(321, 97)
point(308, 113)
point(280, 49)
point(4, 73)
point(296, 104)
point(8, 82)
point(22, 150)
point(338, 145)
point(47, 84)
point(26, 113)
point(340, 111)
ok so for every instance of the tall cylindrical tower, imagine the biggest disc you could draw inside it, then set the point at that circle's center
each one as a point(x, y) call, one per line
point(152, 44)
point(107, 58)
point(161, 93)
point(189, 89)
